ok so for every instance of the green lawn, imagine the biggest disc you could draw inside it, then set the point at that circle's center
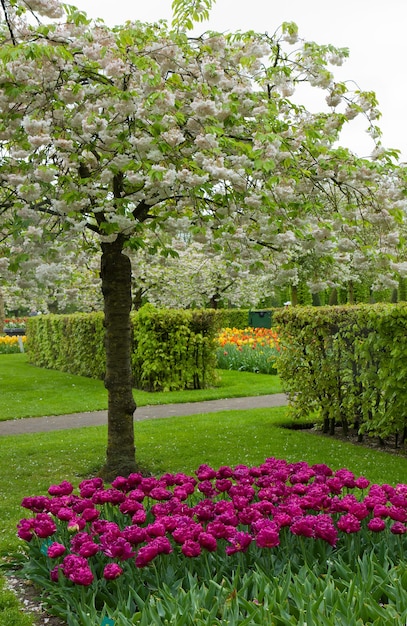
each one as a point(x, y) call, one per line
point(29, 391)
point(30, 463)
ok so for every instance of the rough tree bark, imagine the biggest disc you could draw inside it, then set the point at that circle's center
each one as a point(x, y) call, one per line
point(116, 288)
point(294, 295)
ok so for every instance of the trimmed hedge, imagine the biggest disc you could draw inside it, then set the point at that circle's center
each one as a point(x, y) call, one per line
point(68, 343)
point(232, 318)
point(171, 349)
point(238, 318)
point(349, 365)
point(174, 349)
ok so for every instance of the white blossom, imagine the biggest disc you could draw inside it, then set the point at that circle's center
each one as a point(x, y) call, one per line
point(29, 192)
point(204, 108)
point(39, 140)
point(287, 89)
point(207, 141)
point(336, 59)
point(36, 127)
point(291, 38)
point(384, 281)
point(400, 268)
point(173, 137)
point(46, 175)
point(333, 99)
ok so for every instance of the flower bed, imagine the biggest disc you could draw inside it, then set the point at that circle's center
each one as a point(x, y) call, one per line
point(146, 547)
point(14, 331)
point(250, 350)
point(11, 345)
point(14, 322)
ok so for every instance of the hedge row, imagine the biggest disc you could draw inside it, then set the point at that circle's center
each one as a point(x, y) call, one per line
point(232, 318)
point(171, 349)
point(68, 343)
point(174, 349)
point(349, 365)
point(239, 318)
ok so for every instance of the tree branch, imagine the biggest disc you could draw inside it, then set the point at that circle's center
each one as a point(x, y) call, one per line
point(6, 17)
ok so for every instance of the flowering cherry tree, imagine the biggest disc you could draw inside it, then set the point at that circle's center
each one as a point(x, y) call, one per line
point(197, 277)
point(124, 131)
point(49, 276)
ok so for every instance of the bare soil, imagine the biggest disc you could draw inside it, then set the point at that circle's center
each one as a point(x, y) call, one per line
point(374, 443)
point(28, 595)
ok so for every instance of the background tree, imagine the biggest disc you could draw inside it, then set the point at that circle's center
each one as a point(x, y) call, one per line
point(196, 276)
point(123, 130)
point(50, 275)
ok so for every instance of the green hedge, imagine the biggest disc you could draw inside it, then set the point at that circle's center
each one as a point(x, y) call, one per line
point(349, 365)
point(171, 349)
point(237, 318)
point(232, 318)
point(174, 349)
point(68, 343)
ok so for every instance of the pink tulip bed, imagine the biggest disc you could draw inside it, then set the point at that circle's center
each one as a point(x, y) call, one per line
point(274, 544)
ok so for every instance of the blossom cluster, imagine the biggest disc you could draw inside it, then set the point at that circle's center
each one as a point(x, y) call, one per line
point(220, 91)
point(138, 518)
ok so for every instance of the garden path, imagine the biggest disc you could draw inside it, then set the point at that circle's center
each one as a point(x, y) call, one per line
point(97, 418)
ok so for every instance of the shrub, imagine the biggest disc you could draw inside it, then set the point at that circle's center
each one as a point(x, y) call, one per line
point(348, 364)
point(68, 343)
point(232, 318)
point(173, 349)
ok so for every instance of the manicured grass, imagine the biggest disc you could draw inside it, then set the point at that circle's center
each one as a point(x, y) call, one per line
point(30, 463)
point(29, 391)
point(10, 611)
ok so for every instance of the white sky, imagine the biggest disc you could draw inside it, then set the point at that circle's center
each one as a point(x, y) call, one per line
point(373, 30)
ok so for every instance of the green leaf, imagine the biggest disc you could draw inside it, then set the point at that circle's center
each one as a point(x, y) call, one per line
point(188, 12)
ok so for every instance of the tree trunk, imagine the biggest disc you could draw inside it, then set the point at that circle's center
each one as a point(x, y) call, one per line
point(116, 288)
point(316, 299)
point(333, 298)
point(294, 295)
point(325, 423)
point(138, 299)
point(351, 293)
point(402, 296)
point(214, 301)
